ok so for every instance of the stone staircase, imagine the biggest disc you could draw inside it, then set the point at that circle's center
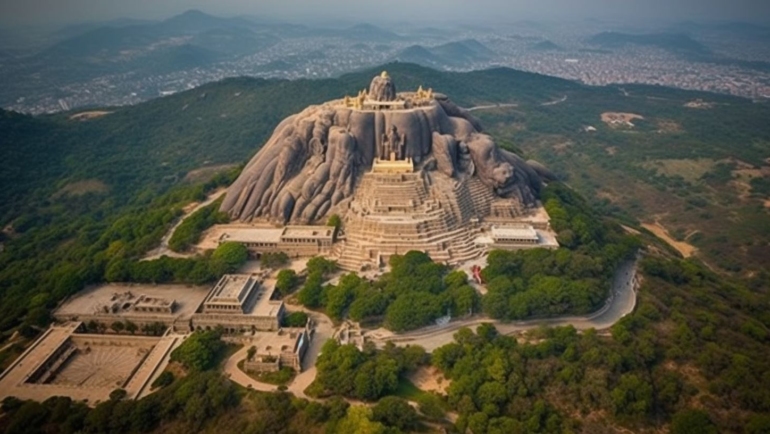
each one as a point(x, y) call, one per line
point(395, 213)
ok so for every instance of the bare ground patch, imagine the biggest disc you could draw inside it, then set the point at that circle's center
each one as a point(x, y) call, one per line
point(656, 228)
point(691, 170)
point(618, 119)
point(668, 126)
point(80, 188)
point(742, 188)
point(206, 172)
point(84, 116)
point(561, 148)
point(630, 230)
point(429, 379)
point(699, 104)
point(608, 194)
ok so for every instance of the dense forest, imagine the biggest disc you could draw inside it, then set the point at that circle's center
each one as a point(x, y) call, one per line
point(83, 201)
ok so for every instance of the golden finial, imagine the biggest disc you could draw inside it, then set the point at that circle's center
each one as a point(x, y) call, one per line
point(384, 74)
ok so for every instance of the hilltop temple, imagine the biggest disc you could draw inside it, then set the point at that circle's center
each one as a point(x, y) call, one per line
point(404, 171)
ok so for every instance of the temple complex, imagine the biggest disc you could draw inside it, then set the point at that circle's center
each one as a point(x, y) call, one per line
point(86, 356)
point(403, 170)
point(238, 303)
point(66, 361)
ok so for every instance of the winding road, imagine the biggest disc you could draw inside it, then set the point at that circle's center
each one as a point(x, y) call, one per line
point(622, 301)
point(491, 106)
point(324, 328)
point(163, 249)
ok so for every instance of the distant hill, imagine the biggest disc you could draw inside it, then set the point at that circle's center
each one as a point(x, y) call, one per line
point(677, 43)
point(735, 29)
point(227, 36)
point(142, 146)
point(545, 46)
point(369, 33)
point(457, 53)
point(419, 55)
point(432, 32)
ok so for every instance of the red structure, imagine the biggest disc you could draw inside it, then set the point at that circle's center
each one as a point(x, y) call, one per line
point(476, 270)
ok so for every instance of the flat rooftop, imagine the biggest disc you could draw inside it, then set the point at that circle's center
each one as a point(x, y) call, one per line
point(232, 288)
point(252, 235)
point(91, 300)
point(263, 306)
point(308, 232)
point(274, 343)
point(154, 302)
point(514, 231)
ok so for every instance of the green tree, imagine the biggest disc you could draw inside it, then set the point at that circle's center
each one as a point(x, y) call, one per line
point(118, 394)
point(295, 319)
point(164, 379)
point(228, 257)
point(311, 294)
point(118, 326)
point(334, 221)
point(131, 327)
point(413, 310)
point(358, 421)
point(320, 265)
point(395, 412)
point(286, 282)
point(200, 351)
point(690, 421)
point(274, 259)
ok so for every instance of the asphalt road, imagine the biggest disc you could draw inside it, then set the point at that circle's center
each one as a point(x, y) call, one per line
point(621, 304)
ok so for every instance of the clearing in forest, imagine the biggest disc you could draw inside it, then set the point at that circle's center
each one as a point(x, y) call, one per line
point(656, 228)
point(617, 119)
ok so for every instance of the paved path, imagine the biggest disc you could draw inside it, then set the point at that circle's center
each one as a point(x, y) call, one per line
point(163, 249)
point(621, 303)
point(324, 328)
point(554, 102)
point(240, 377)
point(491, 106)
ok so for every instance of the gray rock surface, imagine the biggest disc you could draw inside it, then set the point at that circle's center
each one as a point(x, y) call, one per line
point(313, 161)
point(382, 88)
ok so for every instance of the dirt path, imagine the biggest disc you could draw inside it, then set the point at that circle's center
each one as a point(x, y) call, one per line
point(163, 249)
point(491, 106)
point(554, 102)
point(240, 377)
point(656, 228)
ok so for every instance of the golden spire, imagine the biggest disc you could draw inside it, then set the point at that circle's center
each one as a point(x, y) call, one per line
point(384, 74)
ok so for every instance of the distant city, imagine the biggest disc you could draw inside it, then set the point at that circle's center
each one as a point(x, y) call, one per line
point(113, 65)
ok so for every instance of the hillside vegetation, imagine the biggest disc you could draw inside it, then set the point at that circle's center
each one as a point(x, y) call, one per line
point(693, 354)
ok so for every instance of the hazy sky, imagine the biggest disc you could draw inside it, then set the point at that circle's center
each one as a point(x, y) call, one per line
point(15, 12)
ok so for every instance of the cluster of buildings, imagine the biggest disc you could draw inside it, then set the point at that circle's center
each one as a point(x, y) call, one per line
point(72, 360)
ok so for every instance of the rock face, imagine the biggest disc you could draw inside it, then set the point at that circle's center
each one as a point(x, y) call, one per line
point(314, 160)
point(382, 88)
